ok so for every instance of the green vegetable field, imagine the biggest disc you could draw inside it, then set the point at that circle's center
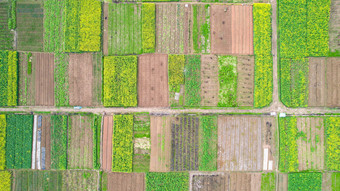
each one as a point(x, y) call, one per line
point(227, 76)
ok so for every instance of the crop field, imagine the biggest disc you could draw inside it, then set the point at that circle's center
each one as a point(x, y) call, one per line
point(232, 30)
point(106, 163)
point(30, 26)
point(207, 158)
point(141, 143)
point(209, 181)
point(334, 27)
point(61, 80)
point(5, 180)
point(176, 79)
point(209, 80)
point(3, 142)
point(173, 28)
point(304, 181)
point(153, 87)
point(59, 127)
point(192, 78)
point(167, 181)
point(201, 28)
point(227, 76)
point(245, 80)
point(332, 143)
point(123, 34)
point(332, 81)
point(184, 143)
point(317, 82)
point(8, 78)
point(6, 36)
point(246, 143)
point(123, 181)
point(160, 129)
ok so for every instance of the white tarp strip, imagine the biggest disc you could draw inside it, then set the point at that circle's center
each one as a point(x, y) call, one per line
point(34, 140)
point(38, 149)
point(270, 166)
point(265, 159)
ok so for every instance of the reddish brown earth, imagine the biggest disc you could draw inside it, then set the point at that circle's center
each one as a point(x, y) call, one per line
point(232, 29)
point(107, 143)
point(333, 82)
point(153, 89)
point(209, 80)
point(245, 80)
point(245, 181)
point(80, 79)
point(317, 82)
point(44, 79)
point(126, 181)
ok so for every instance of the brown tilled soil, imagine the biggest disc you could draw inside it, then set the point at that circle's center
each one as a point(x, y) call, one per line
point(46, 139)
point(327, 181)
point(160, 143)
point(209, 80)
point(239, 143)
point(125, 181)
point(44, 79)
point(97, 79)
point(333, 82)
point(173, 28)
point(80, 151)
point(107, 143)
point(153, 89)
point(26, 82)
point(207, 182)
point(184, 143)
point(311, 148)
point(334, 26)
point(105, 28)
point(245, 80)
point(282, 182)
point(232, 29)
point(317, 83)
point(268, 138)
point(75, 180)
point(80, 79)
point(245, 181)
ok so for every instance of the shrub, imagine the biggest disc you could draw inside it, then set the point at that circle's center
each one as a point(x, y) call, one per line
point(332, 125)
point(304, 181)
point(208, 143)
point(2, 142)
point(120, 81)
point(148, 27)
point(157, 181)
point(122, 143)
point(176, 72)
point(5, 181)
point(227, 76)
point(59, 142)
point(192, 80)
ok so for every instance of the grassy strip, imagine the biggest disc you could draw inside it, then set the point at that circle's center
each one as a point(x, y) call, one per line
point(304, 181)
point(96, 128)
point(2, 142)
point(263, 57)
point(268, 181)
point(120, 81)
point(12, 14)
point(122, 143)
point(332, 131)
point(335, 181)
point(158, 181)
point(5, 180)
point(61, 85)
point(59, 142)
point(227, 76)
point(148, 27)
point(192, 80)
point(317, 27)
point(288, 146)
point(208, 143)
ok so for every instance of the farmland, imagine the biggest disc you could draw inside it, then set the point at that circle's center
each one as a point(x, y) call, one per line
point(201, 28)
point(123, 181)
point(209, 80)
point(6, 36)
point(141, 143)
point(9, 78)
point(59, 127)
point(106, 163)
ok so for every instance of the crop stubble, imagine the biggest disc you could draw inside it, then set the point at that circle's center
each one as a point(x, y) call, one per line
point(107, 143)
point(209, 80)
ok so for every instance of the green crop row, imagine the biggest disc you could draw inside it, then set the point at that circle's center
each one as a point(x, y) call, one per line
point(12, 16)
point(158, 181)
point(120, 81)
point(332, 131)
point(96, 128)
point(61, 85)
point(8, 78)
point(304, 181)
point(208, 143)
point(53, 26)
point(201, 30)
point(268, 182)
point(227, 76)
point(5, 180)
point(294, 82)
point(288, 147)
point(192, 89)
point(122, 143)
point(59, 142)
point(19, 141)
point(2, 142)
point(148, 27)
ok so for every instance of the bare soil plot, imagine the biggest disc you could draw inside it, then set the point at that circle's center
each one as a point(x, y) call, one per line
point(153, 88)
point(125, 181)
point(106, 162)
point(80, 180)
point(184, 143)
point(80, 79)
point(334, 26)
point(245, 181)
point(245, 80)
point(311, 150)
point(209, 80)
point(97, 79)
point(44, 79)
point(282, 184)
point(333, 82)
point(242, 143)
point(317, 82)
point(209, 181)
point(173, 24)
point(26, 81)
point(30, 26)
point(80, 139)
point(232, 29)
point(327, 181)
point(41, 155)
point(160, 143)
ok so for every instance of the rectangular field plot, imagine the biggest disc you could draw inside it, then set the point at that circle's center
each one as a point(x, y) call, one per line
point(246, 143)
point(160, 143)
point(333, 81)
point(201, 28)
point(44, 79)
point(245, 80)
point(6, 36)
point(30, 27)
point(106, 163)
point(122, 29)
point(317, 81)
point(141, 143)
point(334, 27)
point(232, 29)
point(209, 80)
point(173, 28)
point(123, 181)
point(184, 143)
point(153, 90)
